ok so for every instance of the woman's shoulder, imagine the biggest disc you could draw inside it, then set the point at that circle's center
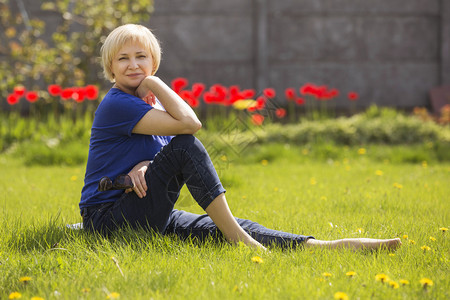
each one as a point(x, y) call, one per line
point(120, 107)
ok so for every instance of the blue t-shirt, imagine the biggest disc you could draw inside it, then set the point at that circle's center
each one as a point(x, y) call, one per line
point(113, 148)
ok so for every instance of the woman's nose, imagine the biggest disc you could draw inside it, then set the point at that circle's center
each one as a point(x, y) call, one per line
point(133, 64)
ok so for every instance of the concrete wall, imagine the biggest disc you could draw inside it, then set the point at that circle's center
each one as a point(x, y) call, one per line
point(390, 51)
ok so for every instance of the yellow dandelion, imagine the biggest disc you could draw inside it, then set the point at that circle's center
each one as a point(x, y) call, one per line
point(313, 181)
point(393, 284)
point(405, 236)
point(398, 185)
point(340, 296)
point(244, 197)
point(404, 282)
point(36, 298)
point(73, 177)
point(362, 151)
point(264, 162)
point(425, 185)
point(433, 239)
point(275, 189)
point(25, 279)
point(412, 242)
point(360, 230)
point(347, 168)
point(224, 158)
point(236, 289)
point(379, 173)
point(305, 151)
point(350, 273)
point(381, 277)
point(424, 164)
point(443, 229)
point(323, 198)
point(257, 259)
point(425, 248)
point(85, 290)
point(321, 279)
point(326, 274)
point(391, 254)
point(113, 295)
point(15, 295)
point(426, 282)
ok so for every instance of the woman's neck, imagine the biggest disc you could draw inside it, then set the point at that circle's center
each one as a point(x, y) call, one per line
point(125, 90)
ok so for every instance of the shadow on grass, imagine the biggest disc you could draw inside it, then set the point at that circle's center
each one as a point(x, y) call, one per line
point(55, 235)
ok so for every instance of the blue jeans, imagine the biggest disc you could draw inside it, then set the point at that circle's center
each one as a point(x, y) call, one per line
point(183, 161)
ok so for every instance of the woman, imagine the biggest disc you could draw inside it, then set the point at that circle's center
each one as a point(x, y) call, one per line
point(132, 134)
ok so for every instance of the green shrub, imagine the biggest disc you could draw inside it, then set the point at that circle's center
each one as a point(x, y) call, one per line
point(65, 141)
point(52, 152)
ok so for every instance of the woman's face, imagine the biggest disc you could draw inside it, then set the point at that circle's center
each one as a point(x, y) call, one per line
point(130, 66)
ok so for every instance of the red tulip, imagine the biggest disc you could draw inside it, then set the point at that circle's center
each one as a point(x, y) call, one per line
point(300, 101)
point(197, 89)
point(12, 99)
point(78, 95)
point(280, 113)
point(189, 97)
point(31, 96)
point(209, 97)
point(234, 90)
point(178, 84)
point(247, 94)
point(257, 119)
point(289, 93)
point(260, 103)
point(67, 93)
point(216, 94)
point(219, 90)
point(195, 103)
point(91, 92)
point(353, 96)
point(308, 89)
point(54, 89)
point(19, 90)
point(320, 92)
point(334, 93)
point(269, 92)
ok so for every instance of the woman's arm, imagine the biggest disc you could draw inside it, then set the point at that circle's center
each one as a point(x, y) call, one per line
point(179, 118)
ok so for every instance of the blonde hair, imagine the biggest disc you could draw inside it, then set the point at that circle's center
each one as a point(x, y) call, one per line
point(123, 34)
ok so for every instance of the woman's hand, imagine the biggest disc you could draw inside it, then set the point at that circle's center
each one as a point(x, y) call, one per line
point(137, 175)
point(145, 93)
point(150, 98)
point(144, 87)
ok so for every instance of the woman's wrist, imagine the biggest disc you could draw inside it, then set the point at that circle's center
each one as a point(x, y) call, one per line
point(151, 82)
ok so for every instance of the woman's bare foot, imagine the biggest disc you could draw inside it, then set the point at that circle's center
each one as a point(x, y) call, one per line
point(357, 243)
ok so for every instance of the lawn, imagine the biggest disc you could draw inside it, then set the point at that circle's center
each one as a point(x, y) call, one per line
point(350, 196)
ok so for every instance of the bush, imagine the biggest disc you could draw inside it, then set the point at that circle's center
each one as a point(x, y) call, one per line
point(66, 141)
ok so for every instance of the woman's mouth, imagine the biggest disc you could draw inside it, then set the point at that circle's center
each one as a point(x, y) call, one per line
point(134, 75)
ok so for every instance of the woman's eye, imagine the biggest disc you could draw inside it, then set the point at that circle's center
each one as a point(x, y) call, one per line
point(122, 58)
point(142, 56)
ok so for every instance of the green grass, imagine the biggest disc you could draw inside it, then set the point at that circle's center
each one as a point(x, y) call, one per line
point(327, 192)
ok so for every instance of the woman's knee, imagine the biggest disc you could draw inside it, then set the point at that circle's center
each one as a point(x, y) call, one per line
point(187, 142)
